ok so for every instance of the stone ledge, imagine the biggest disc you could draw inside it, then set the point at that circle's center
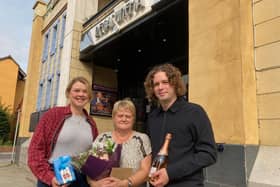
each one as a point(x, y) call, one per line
point(266, 169)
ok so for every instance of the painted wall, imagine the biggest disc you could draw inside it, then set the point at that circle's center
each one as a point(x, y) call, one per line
point(221, 67)
point(267, 47)
point(19, 94)
point(33, 69)
point(8, 81)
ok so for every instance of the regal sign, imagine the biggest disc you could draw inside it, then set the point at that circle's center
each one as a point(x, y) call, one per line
point(123, 14)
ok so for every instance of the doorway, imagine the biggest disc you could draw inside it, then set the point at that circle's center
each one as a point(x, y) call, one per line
point(160, 37)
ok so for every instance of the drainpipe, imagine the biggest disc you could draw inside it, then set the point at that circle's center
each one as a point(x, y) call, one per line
point(15, 137)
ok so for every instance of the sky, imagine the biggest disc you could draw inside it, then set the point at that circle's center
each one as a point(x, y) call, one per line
point(15, 31)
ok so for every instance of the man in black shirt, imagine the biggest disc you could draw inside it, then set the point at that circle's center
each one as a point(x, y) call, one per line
point(192, 146)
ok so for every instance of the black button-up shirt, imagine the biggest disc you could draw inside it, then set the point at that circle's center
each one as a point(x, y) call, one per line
point(192, 146)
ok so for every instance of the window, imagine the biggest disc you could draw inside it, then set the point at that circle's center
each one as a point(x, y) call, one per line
point(56, 87)
point(40, 94)
point(54, 38)
point(62, 31)
point(48, 92)
point(46, 46)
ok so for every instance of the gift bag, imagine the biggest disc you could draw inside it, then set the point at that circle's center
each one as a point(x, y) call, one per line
point(64, 171)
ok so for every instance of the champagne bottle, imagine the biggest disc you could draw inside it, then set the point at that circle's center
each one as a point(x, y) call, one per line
point(160, 161)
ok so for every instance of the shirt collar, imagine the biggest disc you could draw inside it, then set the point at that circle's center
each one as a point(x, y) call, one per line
point(67, 111)
point(174, 107)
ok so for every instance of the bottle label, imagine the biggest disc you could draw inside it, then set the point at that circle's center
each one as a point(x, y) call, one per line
point(153, 169)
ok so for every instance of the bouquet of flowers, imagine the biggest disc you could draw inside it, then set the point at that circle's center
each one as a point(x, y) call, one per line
point(97, 163)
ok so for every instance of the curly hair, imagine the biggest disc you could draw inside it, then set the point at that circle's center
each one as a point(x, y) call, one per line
point(174, 77)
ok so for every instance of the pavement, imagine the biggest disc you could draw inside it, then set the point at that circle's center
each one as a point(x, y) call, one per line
point(13, 175)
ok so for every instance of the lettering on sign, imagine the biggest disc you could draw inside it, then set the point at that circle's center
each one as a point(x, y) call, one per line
point(123, 14)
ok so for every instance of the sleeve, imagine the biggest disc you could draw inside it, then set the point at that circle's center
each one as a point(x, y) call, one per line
point(147, 144)
point(205, 152)
point(101, 138)
point(38, 151)
point(94, 128)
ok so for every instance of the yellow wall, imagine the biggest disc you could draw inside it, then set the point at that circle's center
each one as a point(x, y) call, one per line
point(19, 93)
point(33, 70)
point(8, 82)
point(221, 71)
point(267, 47)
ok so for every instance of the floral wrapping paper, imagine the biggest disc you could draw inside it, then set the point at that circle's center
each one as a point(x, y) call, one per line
point(94, 165)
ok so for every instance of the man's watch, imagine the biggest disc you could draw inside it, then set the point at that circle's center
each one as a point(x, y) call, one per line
point(129, 183)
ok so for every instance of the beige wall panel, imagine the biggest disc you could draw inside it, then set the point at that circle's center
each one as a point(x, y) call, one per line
point(268, 81)
point(221, 46)
point(225, 117)
point(81, 69)
point(269, 132)
point(268, 56)
point(267, 32)
point(221, 97)
point(80, 72)
point(220, 11)
point(249, 98)
point(269, 106)
point(266, 10)
point(220, 79)
point(77, 26)
point(104, 124)
point(105, 77)
point(216, 66)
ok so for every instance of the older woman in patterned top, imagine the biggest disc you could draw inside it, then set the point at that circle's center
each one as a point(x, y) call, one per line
point(136, 147)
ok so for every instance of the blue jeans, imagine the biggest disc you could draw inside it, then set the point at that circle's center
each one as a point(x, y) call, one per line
point(80, 181)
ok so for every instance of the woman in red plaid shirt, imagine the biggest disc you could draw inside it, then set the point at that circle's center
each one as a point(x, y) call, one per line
point(65, 130)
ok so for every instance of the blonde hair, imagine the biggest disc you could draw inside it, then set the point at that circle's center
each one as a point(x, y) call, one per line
point(81, 80)
point(124, 104)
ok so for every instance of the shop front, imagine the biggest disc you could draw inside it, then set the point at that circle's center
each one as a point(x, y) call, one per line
point(127, 38)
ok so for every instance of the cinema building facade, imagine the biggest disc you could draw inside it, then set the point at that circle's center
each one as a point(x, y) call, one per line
point(227, 51)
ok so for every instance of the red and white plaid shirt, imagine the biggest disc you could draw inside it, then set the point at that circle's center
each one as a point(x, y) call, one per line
point(44, 140)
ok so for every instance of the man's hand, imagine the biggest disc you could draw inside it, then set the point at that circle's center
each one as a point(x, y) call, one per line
point(161, 178)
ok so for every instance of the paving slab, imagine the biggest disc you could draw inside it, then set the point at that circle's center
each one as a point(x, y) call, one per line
point(12, 175)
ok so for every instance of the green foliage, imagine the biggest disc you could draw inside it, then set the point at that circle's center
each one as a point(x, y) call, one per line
point(109, 147)
point(101, 150)
point(5, 120)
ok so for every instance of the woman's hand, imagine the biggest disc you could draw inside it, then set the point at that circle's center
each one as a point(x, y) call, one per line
point(115, 182)
point(56, 184)
point(99, 183)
